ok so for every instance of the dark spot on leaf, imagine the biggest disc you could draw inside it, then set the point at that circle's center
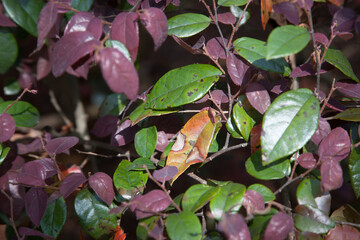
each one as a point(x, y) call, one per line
point(195, 75)
point(196, 89)
point(190, 93)
point(168, 106)
point(91, 229)
point(263, 133)
point(290, 138)
point(313, 107)
point(192, 142)
point(201, 80)
point(305, 114)
point(244, 123)
point(162, 99)
point(252, 47)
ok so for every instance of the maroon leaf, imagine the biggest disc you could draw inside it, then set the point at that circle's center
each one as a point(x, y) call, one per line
point(349, 89)
point(237, 69)
point(43, 66)
point(304, 70)
point(33, 146)
point(158, 230)
point(165, 174)
point(150, 203)
point(6, 22)
point(49, 167)
point(343, 232)
point(258, 97)
point(105, 126)
point(126, 30)
point(345, 35)
point(226, 18)
point(71, 183)
point(79, 22)
point(24, 231)
point(16, 191)
point(33, 173)
point(289, 10)
point(35, 204)
point(162, 141)
point(70, 48)
point(307, 160)
point(216, 49)
point(280, 86)
point(219, 97)
point(322, 131)
point(335, 146)
point(321, 38)
point(234, 227)
point(306, 4)
point(253, 201)
point(331, 175)
point(357, 26)
point(155, 22)
point(124, 134)
point(95, 27)
point(61, 144)
point(119, 73)
point(279, 227)
point(7, 127)
point(103, 186)
point(344, 19)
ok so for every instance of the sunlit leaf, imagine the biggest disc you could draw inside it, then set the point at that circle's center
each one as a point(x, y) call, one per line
point(102, 184)
point(253, 201)
point(267, 194)
point(307, 190)
point(119, 46)
point(343, 232)
point(228, 3)
point(310, 219)
point(183, 225)
point(152, 202)
point(243, 121)
point(128, 179)
point(145, 141)
point(24, 114)
point(197, 196)
point(7, 127)
point(335, 146)
point(338, 59)
point(234, 227)
point(187, 24)
point(279, 227)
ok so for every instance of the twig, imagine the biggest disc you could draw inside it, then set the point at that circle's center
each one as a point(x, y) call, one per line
point(217, 106)
point(219, 29)
point(94, 154)
point(18, 98)
point(197, 178)
point(280, 206)
point(348, 223)
point(224, 150)
point(57, 107)
point(206, 53)
point(51, 156)
point(328, 97)
point(11, 200)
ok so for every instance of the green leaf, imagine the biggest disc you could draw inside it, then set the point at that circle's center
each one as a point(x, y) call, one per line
point(307, 190)
point(54, 217)
point(254, 51)
point(258, 224)
point(140, 113)
point(338, 59)
point(113, 104)
point(94, 215)
point(128, 179)
point(24, 114)
point(139, 162)
point(232, 129)
point(145, 141)
point(238, 12)
point(119, 46)
point(182, 85)
point(11, 85)
point(267, 194)
point(289, 123)
point(350, 114)
point(25, 13)
point(187, 24)
point(243, 121)
point(146, 225)
point(183, 226)
point(81, 5)
point(286, 40)
point(197, 196)
point(228, 3)
point(274, 170)
point(3, 153)
point(354, 162)
point(229, 197)
point(8, 50)
point(310, 219)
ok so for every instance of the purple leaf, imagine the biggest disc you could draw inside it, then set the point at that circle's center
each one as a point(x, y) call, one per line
point(321, 38)
point(344, 19)
point(35, 204)
point(234, 227)
point(126, 30)
point(24, 231)
point(304, 70)
point(150, 203)
point(306, 4)
point(158, 230)
point(357, 25)
point(155, 22)
point(331, 175)
point(71, 183)
point(95, 27)
point(165, 174)
point(237, 70)
point(199, 43)
point(226, 18)
point(105, 126)
point(79, 22)
point(103, 186)
point(43, 66)
point(49, 167)
point(119, 73)
point(6, 22)
point(7, 127)
point(307, 160)
point(279, 227)
point(258, 97)
point(253, 201)
point(70, 48)
point(61, 144)
point(124, 134)
point(345, 35)
point(289, 10)
point(16, 191)
point(26, 78)
point(33, 146)
point(216, 49)
point(280, 86)
point(322, 131)
point(219, 97)
point(349, 89)
point(335, 146)
point(162, 141)
point(33, 173)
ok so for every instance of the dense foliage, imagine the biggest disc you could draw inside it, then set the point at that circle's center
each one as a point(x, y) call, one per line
point(246, 94)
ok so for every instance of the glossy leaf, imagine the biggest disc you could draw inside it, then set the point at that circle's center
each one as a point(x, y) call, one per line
point(216, 49)
point(54, 217)
point(253, 202)
point(338, 59)
point(152, 202)
point(258, 97)
point(289, 123)
point(8, 50)
point(3, 153)
point(331, 175)
point(350, 114)
point(286, 40)
point(229, 197)
point(310, 219)
point(279, 227)
point(182, 85)
point(165, 174)
point(93, 215)
point(113, 104)
point(61, 144)
point(266, 8)
point(35, 204)
point(119, 73)
point(238, 12)
point(275, 170)
point(267, 194)
point(232, 128)
point(7, 127)
point(307, 160)
point(183, 225)
point(150, 227)
point(349, 89)
point(187, 24)
point(335, 146)
point(289, 10)
point(24, 114)
point(102, 184)
point(254, 52)
point(71, 183)
point(234, 227)
point(322, 131)
point(127, 179)
point(33, 173)
point(119, 46)
point(343, 232)
point(24, 13)
point(84, 21)
point(354, 163)
point(193, 142)
point(139, 163)
point(307, 191)
point(243, 121)
point(197, 196)
point(237, 69)
point(258, 225)
point(145, 141)
point(228, 3)
point(124, 133)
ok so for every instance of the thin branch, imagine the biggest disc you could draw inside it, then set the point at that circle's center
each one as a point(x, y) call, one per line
point(217, 106)
point(11, 200)
point(57, 107)
point(197, 178)
point(348, 223)
point(219, 29)
point(224, 150)
point(206, 53)
point(18, 98)
point(328, 97)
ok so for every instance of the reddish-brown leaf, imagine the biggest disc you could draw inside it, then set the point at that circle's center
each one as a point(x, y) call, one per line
point(6, 22)
point(226, 18)
point(35, 204)
point(253, 201)
point(165, 174)
point(237, 70)
point(266, 8)
point(321, 38)
point(349, 89)
point(234, 227)
point(343, 232)
point(279, 227)
point(307, 160)
point(71, 183)
point(323, 130)
point(258, 97)
point(7, 127)
point(335, 146)
point(78, 22)
point(216, 49)
point(289, 10)
point(102, 184)
point(105, 126)
point(331, 175)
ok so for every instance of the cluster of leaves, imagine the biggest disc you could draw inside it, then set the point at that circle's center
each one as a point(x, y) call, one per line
point(236, 104)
